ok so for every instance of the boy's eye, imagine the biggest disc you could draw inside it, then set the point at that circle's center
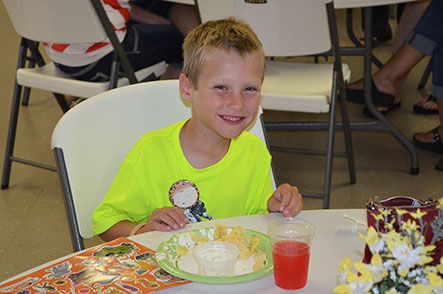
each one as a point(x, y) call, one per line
point(251, 89)
point(221, 87)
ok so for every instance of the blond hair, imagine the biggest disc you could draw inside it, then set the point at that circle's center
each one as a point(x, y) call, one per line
point(226, 34)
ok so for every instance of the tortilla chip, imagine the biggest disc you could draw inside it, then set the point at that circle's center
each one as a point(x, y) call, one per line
point(198, 238)
point(254, 242)
point(181, 250)
point(220, 231)
point(260, 259)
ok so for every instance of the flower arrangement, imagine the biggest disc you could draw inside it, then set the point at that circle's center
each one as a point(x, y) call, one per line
point(401, 262)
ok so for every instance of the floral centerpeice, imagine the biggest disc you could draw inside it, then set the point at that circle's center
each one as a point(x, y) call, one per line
point(400, 263)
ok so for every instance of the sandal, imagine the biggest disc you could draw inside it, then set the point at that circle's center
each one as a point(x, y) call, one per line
point(434, 146)
point(391, 107)
point(418, 107)
point(379, 98)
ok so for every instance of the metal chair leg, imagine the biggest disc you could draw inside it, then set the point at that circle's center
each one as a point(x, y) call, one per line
point(13, 119)
point(17, 96)
point(11, 136)
point(330, 146)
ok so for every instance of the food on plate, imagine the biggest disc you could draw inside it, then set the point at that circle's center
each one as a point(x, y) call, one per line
point(198, 238)
point(247, 245)
point(260, 260)
point(181, 250)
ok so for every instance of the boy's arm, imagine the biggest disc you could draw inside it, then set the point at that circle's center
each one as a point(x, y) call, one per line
point(287, 200)
point(163, 219)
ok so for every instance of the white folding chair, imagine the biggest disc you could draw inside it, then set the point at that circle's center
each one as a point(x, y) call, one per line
point(91, 140)
point(61, 21)
point(296, 28)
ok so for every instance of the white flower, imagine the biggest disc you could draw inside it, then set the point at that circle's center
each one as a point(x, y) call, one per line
point(407, 256)
point(375, 268)
point(361, 284)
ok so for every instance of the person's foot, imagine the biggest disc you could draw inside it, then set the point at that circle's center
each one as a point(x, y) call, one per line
point(427, 105)
point(431, 141)
point(379, 39)
point(382, 86)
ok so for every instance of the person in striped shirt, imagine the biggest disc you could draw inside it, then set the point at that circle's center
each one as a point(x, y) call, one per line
point(151, 31)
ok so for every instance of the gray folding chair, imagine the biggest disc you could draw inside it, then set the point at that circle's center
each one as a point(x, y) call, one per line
point(297, 28)
point(61, 21)
point(91, 140)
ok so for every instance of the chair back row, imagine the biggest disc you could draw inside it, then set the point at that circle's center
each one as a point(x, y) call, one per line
point(273, 22)
point(56, 21)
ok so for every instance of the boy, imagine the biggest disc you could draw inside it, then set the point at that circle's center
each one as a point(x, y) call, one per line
point(208, 164)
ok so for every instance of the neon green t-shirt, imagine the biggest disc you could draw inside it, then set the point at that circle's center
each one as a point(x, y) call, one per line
point(239, 184)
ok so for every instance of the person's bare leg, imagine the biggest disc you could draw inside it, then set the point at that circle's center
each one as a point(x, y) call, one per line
point(427, 137)
point(389, 78)
point(411, 15)
point(184, 17)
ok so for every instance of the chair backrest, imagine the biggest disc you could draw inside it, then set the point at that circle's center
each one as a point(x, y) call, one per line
point(91, 140)
point(276, 22)
point(56, 21)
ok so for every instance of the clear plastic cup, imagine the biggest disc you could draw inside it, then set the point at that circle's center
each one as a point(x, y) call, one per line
point(216, 258)
point(291, 241)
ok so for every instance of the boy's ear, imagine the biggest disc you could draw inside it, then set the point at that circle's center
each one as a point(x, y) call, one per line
point(185, 87)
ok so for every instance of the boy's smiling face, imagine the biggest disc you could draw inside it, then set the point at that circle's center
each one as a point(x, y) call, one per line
point(228, 94)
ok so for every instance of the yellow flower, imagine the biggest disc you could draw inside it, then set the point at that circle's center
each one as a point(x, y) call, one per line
point(375, 268)
point(342, 289)
point(401, 211)
point(374, 241)
point(418, 214)
point(384, 213)
point(345, 264)
point(390, 225)
point(378, 216)
point(420, 289)
point(435, 281)
point(343, 268)
point(409, 226)
point(440, 266)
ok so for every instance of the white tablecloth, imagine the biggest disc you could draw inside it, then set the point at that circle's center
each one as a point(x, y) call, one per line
point(335, 237)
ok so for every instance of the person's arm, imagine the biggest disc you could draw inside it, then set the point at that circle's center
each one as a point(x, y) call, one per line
point(164, 219)
point(287, 200)
point(141, 15)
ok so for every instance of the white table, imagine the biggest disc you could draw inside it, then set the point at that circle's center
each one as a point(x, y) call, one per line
point(335, 237)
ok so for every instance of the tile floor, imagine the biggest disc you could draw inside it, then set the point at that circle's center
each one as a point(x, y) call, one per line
point(33, 226)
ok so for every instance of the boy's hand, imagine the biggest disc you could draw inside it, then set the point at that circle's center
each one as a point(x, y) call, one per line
point(166, 219)
point(287, 200)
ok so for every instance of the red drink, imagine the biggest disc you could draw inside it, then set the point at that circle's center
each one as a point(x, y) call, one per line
point(291, 260)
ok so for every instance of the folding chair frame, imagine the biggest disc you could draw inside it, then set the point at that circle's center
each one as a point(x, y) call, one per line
point(330, 126)
point(121, 67)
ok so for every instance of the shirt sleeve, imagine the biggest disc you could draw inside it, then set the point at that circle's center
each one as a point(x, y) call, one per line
point(125, 197)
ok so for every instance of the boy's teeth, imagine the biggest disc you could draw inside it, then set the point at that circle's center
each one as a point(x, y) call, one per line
point(231, 118)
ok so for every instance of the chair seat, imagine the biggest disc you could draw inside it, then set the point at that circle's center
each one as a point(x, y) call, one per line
point(309, 84)
point(50, 78)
